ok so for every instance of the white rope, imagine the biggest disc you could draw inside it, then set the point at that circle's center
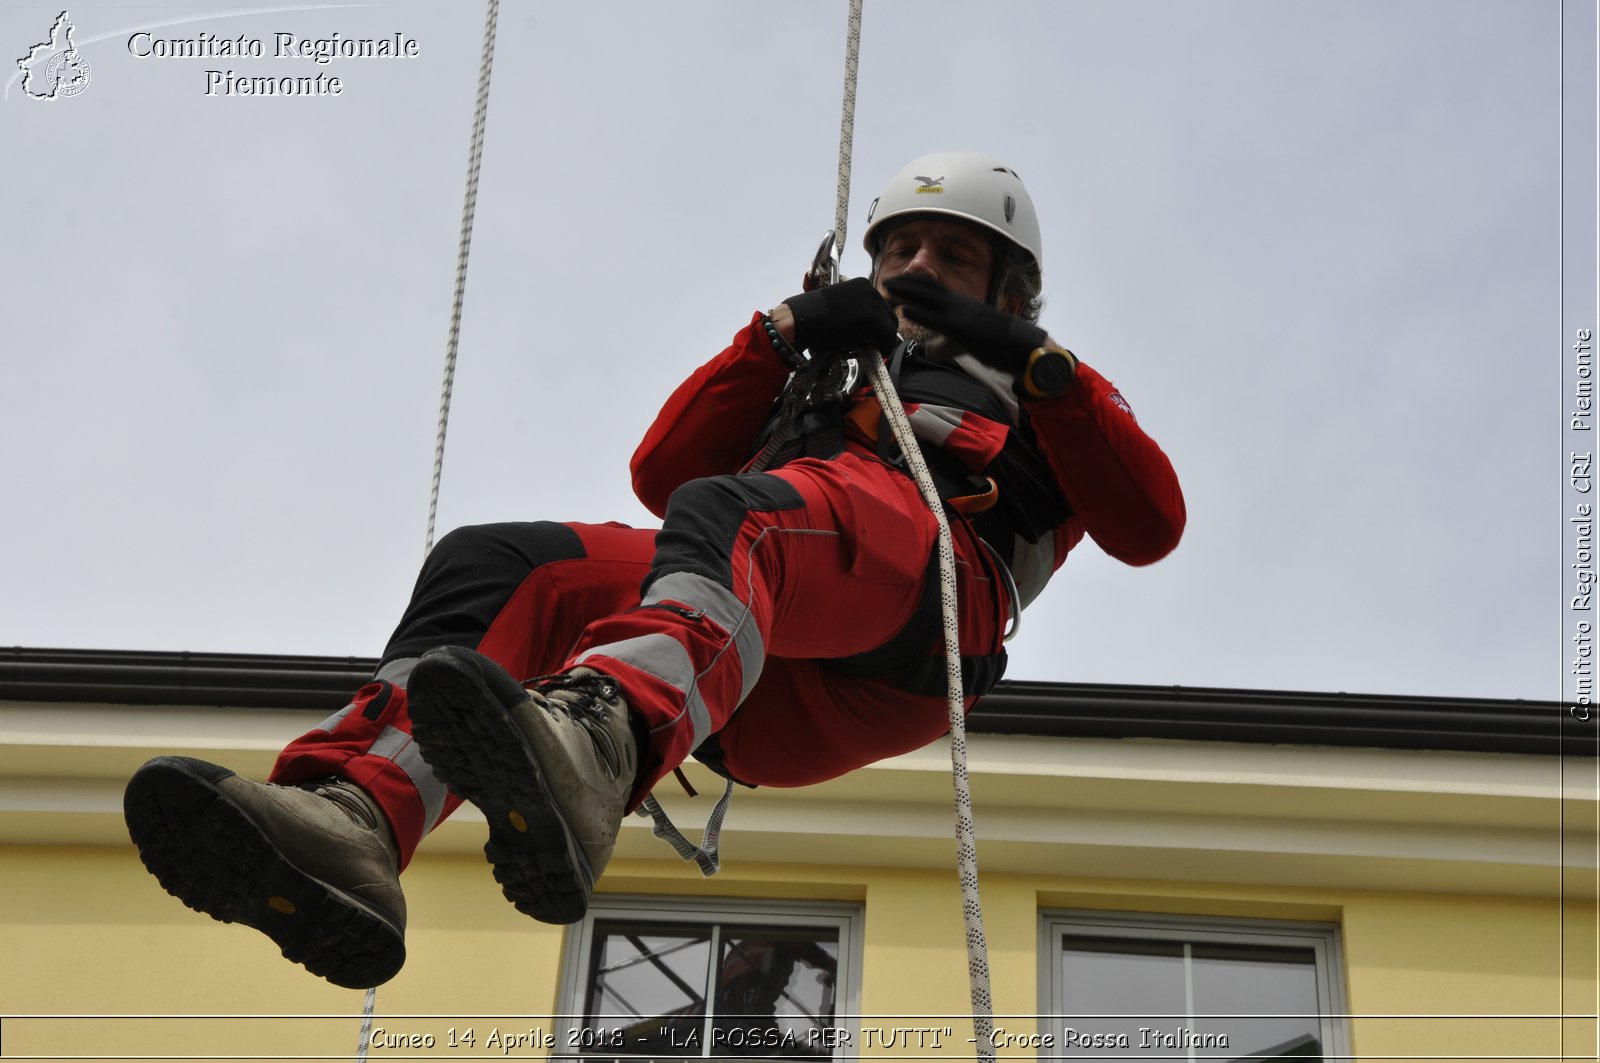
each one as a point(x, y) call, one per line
point(468, 209)
point(847, 128)
point(966, 838)
point(366, 1024)
point(883, 385)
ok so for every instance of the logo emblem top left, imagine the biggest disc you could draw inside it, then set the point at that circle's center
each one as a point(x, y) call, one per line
point(54, 69)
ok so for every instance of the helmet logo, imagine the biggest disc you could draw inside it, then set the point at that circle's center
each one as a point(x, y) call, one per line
point(930, 184)
point(1011, 209)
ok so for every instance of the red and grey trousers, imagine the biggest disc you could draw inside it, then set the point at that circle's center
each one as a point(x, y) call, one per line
point(783, 626)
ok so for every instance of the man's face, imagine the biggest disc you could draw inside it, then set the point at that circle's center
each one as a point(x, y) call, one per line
point(957, 255)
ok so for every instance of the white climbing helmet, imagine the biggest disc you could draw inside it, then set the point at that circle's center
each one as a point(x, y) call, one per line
point(960, 184)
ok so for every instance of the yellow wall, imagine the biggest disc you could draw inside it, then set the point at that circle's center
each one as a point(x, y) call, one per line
point(1386, 844)
point(1468, 956)
point(85, 931)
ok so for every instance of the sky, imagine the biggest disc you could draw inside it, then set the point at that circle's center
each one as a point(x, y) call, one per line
point(1317, 245)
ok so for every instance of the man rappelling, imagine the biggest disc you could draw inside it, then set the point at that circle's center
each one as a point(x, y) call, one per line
point(782, 625)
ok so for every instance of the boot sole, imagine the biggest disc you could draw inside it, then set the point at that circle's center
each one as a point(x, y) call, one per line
point(472, 742)
point(206, 851)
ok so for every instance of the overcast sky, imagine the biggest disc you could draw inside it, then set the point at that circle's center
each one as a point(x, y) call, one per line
point(1316, 244)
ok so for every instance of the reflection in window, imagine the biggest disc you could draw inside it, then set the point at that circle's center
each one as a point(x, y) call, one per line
point(771, 990)
point(1182, 989)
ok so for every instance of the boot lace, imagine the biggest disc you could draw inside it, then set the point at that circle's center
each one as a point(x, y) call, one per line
point(588, 698)
point(591, 701)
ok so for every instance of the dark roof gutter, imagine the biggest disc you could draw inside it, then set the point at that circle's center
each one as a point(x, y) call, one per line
point(1085, 710)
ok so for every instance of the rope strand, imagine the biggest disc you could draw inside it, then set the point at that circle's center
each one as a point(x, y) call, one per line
point(366, 1024)
point(883, 385)
point(966, 835)
point(847, 128)
point(469, 209)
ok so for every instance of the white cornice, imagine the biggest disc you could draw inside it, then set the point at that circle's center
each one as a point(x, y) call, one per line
point(1095, 808)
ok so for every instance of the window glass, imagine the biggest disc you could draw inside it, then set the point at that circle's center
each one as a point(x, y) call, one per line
point(1104, 978)
point(771, 993)
point(1180, 988)
point(1275, 987)
point(650, 982)
point(777, 982)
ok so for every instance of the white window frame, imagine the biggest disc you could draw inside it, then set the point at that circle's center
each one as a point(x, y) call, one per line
point(1321, 938)
point(843, 917)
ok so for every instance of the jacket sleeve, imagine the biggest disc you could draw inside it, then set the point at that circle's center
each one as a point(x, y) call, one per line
point(709, 423)
point(1120, 484)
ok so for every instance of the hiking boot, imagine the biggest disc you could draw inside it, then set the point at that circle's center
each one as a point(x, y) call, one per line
point(551, 768)
point(313, 867)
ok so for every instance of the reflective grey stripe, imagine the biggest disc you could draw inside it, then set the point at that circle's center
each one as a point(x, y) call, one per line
point(1032, 565)
point(407, 756)
point(999, 382)
point(665, 658)
point(402, 750)
point(398, 670)
point(396, 746)
point(336, 719)
point(934, 423)
point(725, 610)
point(395, 672)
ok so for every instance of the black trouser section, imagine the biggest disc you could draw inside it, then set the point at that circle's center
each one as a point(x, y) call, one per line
point(703, 521)
point(467, 579)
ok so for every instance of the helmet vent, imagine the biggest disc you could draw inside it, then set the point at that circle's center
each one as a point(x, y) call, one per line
point(1011, 208)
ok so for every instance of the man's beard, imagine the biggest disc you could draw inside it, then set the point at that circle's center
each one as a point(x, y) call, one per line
point(935, 345)
point(912, 331)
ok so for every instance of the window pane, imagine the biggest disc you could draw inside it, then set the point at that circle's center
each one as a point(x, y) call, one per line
point(1136, 977)
point(1256, 980)
point(648, 980)
point(1247, 1000)
point(775, 992)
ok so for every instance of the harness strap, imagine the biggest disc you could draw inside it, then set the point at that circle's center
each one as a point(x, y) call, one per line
point(704, 855)
point(965, 492)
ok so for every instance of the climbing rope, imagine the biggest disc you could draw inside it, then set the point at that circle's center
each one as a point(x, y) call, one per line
point(966, 837)
point(468, 209)
point(366, 1025)
point(847, 127)
point(889, 399)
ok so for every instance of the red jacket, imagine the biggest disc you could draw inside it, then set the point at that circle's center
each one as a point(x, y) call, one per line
point(1119, 485)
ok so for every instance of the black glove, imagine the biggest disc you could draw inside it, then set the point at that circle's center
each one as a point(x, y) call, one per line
point(993, 336)
point(843, 317)
point(1005, 341)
